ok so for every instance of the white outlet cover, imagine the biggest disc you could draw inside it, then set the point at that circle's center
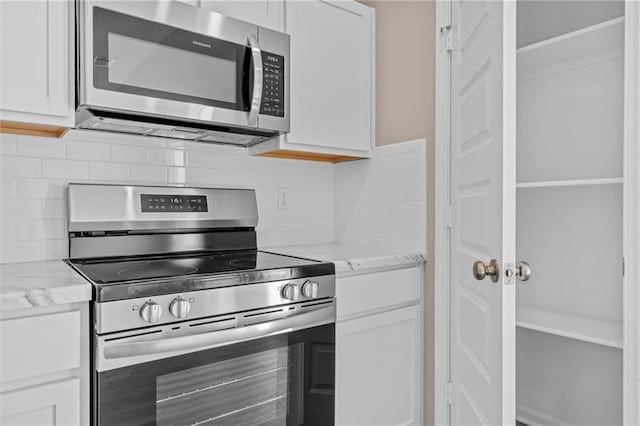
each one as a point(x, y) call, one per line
point(283, 198)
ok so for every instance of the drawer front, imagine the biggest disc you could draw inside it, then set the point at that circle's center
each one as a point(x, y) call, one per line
point(364, 294)
point(39, 345)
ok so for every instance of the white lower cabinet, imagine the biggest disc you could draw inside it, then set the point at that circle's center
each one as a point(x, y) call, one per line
point(43, 405)
point(44, 366)
point(378, 369)
point(379, 349)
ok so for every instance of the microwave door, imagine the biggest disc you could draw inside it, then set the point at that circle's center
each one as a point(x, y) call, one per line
point(132, 61)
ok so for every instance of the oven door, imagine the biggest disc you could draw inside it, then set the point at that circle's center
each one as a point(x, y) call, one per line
point(283, 378)
point(166, 58)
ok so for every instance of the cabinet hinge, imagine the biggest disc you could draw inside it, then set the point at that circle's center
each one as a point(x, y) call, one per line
point(448, 391)
point(448, 37)
point(448, 218)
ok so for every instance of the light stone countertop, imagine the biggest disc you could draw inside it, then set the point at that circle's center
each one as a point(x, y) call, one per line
point(33, 284)
point(351, 260)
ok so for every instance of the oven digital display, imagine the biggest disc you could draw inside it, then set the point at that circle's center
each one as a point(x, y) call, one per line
point(161, 203)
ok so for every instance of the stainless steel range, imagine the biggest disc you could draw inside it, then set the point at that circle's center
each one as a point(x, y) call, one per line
point(191, 323)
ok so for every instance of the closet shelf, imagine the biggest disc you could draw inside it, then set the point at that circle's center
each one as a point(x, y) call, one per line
point(573, 182)
point(589, 41)
point(600, 332)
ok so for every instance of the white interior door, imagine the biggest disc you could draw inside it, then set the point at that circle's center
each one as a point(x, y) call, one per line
point(482, 334)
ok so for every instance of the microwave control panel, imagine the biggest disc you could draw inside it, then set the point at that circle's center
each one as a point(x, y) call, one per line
point(272, 85)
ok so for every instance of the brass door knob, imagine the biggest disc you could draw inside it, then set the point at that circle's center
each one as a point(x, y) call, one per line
point(480, 270)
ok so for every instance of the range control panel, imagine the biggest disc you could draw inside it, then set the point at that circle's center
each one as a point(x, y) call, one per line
point(273, 85)
point(156, 203)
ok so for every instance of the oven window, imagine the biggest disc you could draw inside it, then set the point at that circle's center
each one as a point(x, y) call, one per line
point(248, 390)
point(286, 379)
point(143, 64)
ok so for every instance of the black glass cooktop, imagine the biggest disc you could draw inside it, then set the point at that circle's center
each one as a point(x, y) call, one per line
point(116, 279)
point(116, 271)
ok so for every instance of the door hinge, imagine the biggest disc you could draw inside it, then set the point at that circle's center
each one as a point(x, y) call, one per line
point(623, 266)
point(448, 393)
point(448, 218)
point(448, 37)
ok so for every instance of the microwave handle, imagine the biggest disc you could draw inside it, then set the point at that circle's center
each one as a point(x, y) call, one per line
point(256, 99)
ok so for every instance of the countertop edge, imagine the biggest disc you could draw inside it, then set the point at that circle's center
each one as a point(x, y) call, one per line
point(39, 284)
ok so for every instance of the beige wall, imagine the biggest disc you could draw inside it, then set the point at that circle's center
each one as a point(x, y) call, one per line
point(405, 110)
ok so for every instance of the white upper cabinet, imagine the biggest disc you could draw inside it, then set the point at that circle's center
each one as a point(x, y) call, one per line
point(36, 70)
point(266, 13)
point(331, 81)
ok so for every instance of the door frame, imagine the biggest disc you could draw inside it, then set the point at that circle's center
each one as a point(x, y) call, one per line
point(631, 220)
point(442, 200)
point(631, 217)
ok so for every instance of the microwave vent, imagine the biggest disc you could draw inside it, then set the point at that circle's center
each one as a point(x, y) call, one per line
point(118, 122)
point(116, 127)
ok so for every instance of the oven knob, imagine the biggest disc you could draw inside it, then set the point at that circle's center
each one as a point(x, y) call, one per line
point(310, 289)
point(151, 311)
point(290, 292)
point(180, 307)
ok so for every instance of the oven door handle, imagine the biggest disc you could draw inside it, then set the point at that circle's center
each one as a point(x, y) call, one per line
point(256, 98)
point(312, 318)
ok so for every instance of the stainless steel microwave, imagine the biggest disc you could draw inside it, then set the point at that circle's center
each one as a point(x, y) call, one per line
point(165, 68)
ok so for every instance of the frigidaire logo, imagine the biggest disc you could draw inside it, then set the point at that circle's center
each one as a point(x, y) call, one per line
point(198, 43)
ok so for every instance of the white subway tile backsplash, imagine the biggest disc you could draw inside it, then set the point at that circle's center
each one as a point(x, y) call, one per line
point(129, 154)
point(20, 251)
point(54, 249)
point(379, 201)
point(21, 209)
point(54, 209)
point(37, 230)
point(105, 171)
point(21, 167)
point(167, 157)
point(214, 177)
point(7, 231)
point(65, 169)
point(7, 147)
point(32, 146)
point(152, 174)
point(82, 150)
point(207, 160)
point(8, 187)
point(40, 189)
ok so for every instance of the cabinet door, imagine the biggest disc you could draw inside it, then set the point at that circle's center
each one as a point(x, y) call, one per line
point(266, 13)
point(331, 74)
point(35, 72)
point(50, 404)
point(379, 369)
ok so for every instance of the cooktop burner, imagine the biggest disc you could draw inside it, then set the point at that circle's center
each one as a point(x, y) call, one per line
point(119, 271)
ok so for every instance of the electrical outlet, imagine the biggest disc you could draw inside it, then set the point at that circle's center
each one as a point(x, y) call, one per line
point(283, 198)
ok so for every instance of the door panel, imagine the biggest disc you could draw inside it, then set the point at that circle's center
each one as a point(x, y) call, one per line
point(483, 205)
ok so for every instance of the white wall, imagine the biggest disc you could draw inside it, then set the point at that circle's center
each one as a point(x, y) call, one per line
point(381, 202)
point(35, 170)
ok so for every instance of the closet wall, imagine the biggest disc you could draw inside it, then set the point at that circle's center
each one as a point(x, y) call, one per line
point(569, 211)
